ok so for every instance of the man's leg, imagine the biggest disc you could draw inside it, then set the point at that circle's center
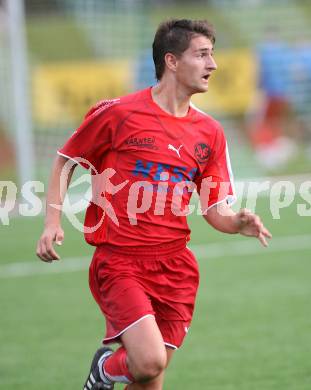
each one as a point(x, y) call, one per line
point(156, 383)
point(142, 357)
point(146, 352)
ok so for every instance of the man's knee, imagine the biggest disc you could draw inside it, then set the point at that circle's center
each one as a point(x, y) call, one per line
point(149, 365)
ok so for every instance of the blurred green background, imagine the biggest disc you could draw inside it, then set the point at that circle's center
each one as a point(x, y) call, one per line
point(79, 52)
point(251, 328)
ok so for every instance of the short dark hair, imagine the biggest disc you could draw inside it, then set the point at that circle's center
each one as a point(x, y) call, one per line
point(174, 36)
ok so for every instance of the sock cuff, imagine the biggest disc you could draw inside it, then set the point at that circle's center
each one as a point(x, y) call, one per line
point(116, 368)
point(101, 363)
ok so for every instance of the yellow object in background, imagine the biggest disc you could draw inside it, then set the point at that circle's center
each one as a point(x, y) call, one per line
point(232, 86)
point(64, 92)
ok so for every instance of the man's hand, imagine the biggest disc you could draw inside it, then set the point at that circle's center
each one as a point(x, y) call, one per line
point(55, 196)
point(45, 250)
point(224, 219)
point(249, 224)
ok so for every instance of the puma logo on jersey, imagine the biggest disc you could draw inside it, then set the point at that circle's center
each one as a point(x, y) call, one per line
point(171, 147)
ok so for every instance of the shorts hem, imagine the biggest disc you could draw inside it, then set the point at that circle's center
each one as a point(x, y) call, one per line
point(107, 340)
point(170, 345)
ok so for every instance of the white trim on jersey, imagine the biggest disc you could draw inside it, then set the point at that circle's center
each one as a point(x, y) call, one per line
point(197, 109)
point(83, 160)
point(231, 199)
point(70, 158)
point(226, 199)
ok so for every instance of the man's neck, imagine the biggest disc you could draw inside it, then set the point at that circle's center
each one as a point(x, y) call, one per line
point(171, 99)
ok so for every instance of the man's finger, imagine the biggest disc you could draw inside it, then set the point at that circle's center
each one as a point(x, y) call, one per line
point(50, 250)
point(258, 226)
point(43, 254)
point(246, 218)
point(59, 238)
point(266, 233)
point(254, 220)
point(38, 249)
point(262, 239)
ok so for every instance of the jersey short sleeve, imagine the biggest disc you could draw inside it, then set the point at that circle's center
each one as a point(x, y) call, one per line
point(215, 184)
point(93, 138)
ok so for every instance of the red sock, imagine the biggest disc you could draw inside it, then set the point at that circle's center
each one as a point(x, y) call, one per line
point(116, 369)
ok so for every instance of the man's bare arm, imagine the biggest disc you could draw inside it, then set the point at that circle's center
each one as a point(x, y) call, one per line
point(53, 232)
point(224, 219)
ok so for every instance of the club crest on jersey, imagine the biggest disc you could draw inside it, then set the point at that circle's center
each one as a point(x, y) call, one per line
point(202, 152)
point(142, 142)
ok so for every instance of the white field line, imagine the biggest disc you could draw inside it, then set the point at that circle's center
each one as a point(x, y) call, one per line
point(203, 252)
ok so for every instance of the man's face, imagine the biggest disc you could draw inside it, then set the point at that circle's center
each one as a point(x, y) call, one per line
point(195, 65)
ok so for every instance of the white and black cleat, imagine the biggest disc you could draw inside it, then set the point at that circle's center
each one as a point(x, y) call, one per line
point(97, 379)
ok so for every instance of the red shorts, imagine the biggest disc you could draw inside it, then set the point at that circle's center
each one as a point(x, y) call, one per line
point(129, 285)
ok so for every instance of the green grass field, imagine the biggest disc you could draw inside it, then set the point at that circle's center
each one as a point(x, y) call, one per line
point(251, 330)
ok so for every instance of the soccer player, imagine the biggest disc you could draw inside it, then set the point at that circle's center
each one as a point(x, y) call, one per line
point(146, 152)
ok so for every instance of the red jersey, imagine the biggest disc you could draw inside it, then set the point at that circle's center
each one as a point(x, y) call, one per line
point(145, 164)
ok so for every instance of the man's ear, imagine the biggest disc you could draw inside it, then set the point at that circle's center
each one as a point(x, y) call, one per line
point(171, 61)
